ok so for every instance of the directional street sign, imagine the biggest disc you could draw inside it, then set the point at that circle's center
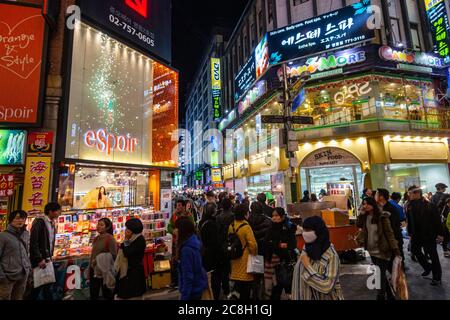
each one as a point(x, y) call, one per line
point(282, 119)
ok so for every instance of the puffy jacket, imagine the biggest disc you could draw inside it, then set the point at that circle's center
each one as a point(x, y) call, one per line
point(387, 244)
point(193, 279)
point(280, 233)
point(260, 224)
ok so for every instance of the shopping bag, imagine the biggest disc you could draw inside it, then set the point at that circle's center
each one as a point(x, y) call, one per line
point(255, 264)
point(398, 280)
point(44, 276)
point(208, 293)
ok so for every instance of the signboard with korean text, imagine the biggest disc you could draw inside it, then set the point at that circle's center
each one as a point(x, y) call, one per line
point(144, 23)
point(22, 43)
point(440, 27)
point(245, 78)
point(198, 175)
point(6, 185)
point(40, 143)
point(337, 29)
point(216, 175)
point(36, 184)
point(12, 147)
point(216, 88)
point(252, 96)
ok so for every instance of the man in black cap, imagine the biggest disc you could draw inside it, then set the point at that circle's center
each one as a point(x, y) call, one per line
point(440, 196)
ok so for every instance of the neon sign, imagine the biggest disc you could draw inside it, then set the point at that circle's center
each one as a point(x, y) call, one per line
point(440, 27)
point(415, 57)
point(140, 6)
point(252, 96)
point(108, 142)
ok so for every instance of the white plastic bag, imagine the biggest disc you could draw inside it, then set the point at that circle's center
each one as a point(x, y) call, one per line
point(255, 264)
point(44, 276)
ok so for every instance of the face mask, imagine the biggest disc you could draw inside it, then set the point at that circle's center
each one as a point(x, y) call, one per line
point(309, 236)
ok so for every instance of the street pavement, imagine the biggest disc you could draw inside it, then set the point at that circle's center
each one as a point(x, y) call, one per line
point(354, 282)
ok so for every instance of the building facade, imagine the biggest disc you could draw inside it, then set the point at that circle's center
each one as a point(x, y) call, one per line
point(373, 111)
point(203, 112)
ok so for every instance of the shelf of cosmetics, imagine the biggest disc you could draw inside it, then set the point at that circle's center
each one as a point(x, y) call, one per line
point(76, 230)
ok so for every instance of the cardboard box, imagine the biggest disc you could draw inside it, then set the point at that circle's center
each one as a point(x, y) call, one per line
point(161, 280)
point(335, 218)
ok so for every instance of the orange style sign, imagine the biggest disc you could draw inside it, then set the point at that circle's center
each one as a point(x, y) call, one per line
point(21, 45)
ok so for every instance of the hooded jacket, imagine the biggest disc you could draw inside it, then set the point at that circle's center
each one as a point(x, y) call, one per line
point(193, 279)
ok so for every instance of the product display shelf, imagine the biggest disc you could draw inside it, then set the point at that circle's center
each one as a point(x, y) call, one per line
point(76, 229)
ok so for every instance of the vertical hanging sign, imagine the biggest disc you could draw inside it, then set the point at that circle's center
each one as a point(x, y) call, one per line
point(216, 87)
point(440, 27)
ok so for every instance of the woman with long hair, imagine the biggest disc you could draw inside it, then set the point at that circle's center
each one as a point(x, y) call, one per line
point(193, 280)
point(377, 237)
point(104, 243)
point(316, 275)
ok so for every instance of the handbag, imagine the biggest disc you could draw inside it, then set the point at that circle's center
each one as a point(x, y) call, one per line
point(284, 273)
point(44, 276)
point(255, 264)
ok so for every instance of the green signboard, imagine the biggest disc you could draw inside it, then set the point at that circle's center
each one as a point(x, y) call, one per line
point(12, 146)
point(198, 175)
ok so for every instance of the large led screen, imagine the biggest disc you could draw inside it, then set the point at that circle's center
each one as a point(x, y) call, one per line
point(123, 106)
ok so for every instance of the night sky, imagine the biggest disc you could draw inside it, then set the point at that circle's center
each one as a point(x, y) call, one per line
point(194, 21)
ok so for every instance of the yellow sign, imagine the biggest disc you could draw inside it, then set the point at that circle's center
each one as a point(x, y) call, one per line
point(36, 184)
point(431, 3)
point(216, 175)
point(215, 74)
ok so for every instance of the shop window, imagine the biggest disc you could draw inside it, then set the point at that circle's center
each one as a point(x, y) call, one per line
point(415, 37)
point(396, 36)
point(270, 10)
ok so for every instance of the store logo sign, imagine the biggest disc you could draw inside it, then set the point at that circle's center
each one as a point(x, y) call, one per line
point(252, 96)
point(108, 142)
point(324, 63)
point(352, 92)
point(416, 57)
point(140, 6)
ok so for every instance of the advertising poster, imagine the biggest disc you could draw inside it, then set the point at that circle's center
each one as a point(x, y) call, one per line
point(40, 143)
point(36, 184)
point(166, 200)
point(262, 57)
point(145, 23)
point(216, 87)
point(22, 31)
point(216, 175)
point(334, 30)
point(12, 147)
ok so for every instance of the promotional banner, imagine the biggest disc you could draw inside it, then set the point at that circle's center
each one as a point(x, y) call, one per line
point(144, 23)
point(216, 175)
point(440, 27)
point(36, 184)
point(12, 146)
point(6, 185)
point(22, 30)
point(216, 87)
point(337, 29)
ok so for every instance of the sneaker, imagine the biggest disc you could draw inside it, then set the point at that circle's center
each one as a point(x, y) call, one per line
point(426, 273)
point(436, 283)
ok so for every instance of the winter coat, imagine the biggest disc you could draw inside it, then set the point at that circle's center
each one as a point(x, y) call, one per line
point(193, 279)
point(438, 200)
point(395, 220)
point(248, 241)
point(283, 232)
point(387, 244)
point(260, 224)
point(134, 284)
point(14, 257)
point(40, 248)
point(268, 210)
point(424, 220)
point(209, 235)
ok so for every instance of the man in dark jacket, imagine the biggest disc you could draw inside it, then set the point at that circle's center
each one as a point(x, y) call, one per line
point(440, 196)
point(42, 245)
point(260, 224)
point(267, 210)
point(382, 198)
point(424, 226)
point(15, 264)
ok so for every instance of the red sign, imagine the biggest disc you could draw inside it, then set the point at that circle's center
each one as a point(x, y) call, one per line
point(21, 46)
point(6, 185)
point(40, 142)
point(140, 6)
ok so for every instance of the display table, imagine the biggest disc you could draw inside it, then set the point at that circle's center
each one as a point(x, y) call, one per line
point(341, 237)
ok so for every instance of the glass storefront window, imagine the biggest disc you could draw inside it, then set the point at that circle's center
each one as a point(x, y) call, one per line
point(368, 97)
point(400, 176)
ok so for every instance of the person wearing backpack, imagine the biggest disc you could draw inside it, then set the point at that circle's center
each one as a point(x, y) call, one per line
point(241, 244)
point(210, 251)
point(15, 266)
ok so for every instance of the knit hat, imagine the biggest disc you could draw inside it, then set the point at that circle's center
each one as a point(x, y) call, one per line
point(135, 226)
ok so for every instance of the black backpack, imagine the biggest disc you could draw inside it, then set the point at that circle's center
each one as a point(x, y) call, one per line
point(234, 248)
